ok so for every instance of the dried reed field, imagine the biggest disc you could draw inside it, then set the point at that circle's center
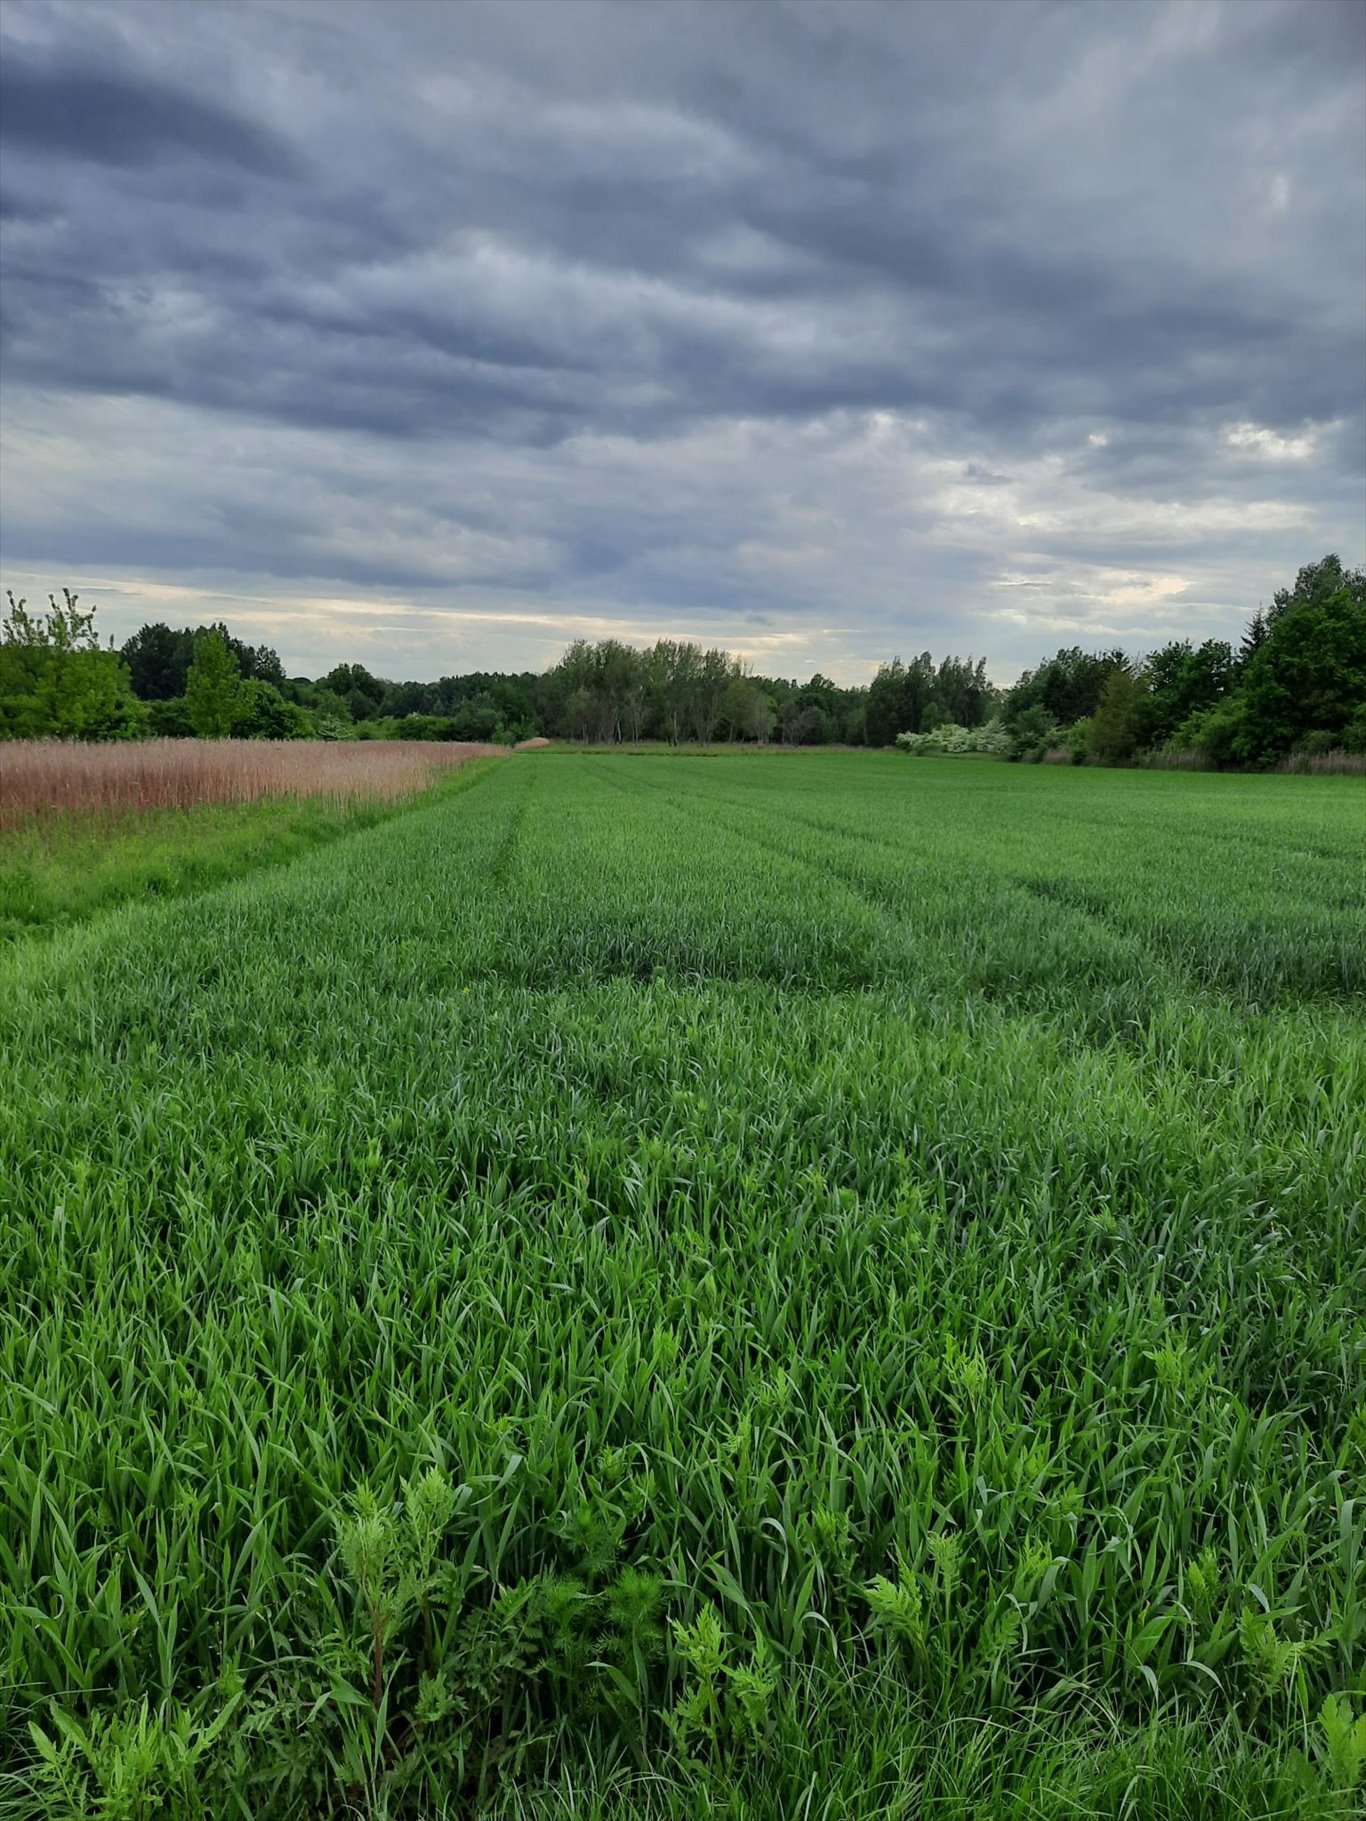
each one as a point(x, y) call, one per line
point(826, 1288)
point(48, 778)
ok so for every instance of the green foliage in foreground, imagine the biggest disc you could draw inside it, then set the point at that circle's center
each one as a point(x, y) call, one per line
point(818, 1288)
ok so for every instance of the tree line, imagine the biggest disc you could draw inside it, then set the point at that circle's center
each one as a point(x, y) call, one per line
point(1296, 684)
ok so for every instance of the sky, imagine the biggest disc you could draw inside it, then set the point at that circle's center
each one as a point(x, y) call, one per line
point(431, 336)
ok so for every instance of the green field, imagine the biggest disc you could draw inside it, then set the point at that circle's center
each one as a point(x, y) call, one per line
point(61, 873)
point(62, 869)
point(790, 1287)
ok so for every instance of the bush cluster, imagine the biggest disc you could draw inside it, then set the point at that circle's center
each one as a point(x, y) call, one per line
point(949, 739)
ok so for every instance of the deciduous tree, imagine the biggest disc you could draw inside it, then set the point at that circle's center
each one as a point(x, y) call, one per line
point(213, 688)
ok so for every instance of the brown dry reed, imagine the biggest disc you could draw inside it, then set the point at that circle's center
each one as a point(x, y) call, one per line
point(1324, 764)
point(42, 779)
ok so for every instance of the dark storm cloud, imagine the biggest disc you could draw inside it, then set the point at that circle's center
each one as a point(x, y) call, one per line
point(685, 304)
point(62, 109)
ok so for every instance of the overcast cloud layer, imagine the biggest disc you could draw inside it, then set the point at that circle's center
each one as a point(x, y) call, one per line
point(433, 335)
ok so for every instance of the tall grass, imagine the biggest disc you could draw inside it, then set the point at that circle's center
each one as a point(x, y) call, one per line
point(1168, 758)
point(51, 778)
point(1337, 763)
point(816, 1289)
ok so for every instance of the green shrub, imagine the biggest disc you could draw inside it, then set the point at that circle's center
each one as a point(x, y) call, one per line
point(56, 682)
point(260, 712)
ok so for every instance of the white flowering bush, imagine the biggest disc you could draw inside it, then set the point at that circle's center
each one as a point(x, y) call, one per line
point(949, 738)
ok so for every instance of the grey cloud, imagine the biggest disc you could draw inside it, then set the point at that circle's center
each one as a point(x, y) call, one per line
point(574, 245)
point(111, 118)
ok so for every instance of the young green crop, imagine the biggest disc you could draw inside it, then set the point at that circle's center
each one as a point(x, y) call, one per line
point(700, 1286)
